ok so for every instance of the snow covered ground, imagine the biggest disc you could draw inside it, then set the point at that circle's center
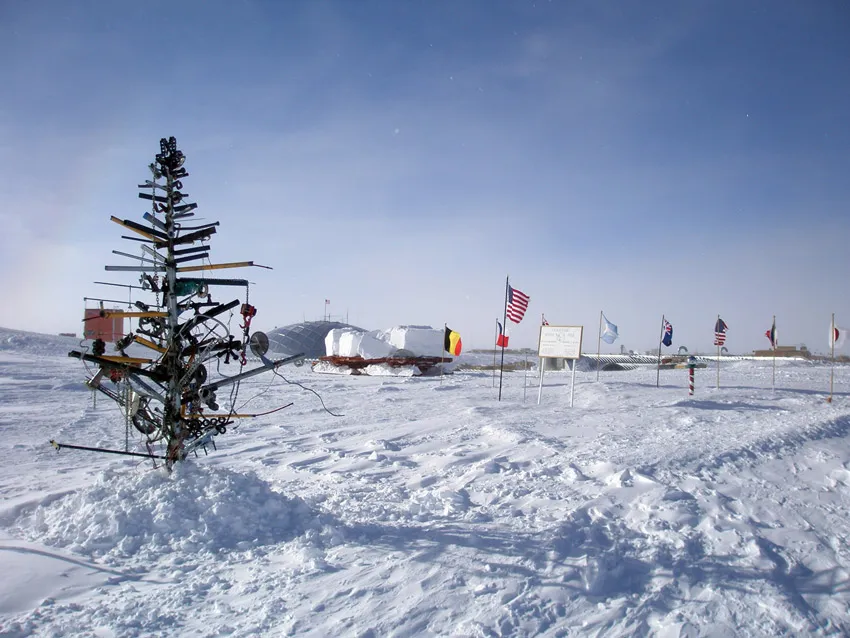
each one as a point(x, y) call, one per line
point(428, 508)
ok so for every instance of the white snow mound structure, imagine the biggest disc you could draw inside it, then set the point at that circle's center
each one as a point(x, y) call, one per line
point(307, 338)
point(397, 351)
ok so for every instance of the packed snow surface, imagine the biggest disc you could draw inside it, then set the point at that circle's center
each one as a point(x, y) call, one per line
point(427, 507)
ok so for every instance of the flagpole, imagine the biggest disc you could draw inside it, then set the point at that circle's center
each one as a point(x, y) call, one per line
point(599, 344)
point(658, 367)
point(773, 327)
point(832, 355)
point(494, 351)
point(442, 362)
point(505, 324)
point(718, 352)
point(525, 379)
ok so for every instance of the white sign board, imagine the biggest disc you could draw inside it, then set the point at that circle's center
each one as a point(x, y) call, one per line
point(560, 342)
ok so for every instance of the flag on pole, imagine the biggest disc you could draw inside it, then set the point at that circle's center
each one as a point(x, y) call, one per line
point(771, 335)
point(452, 343)
point(543, 318)
point(667, 339)
point(837, 336)
point(720, 332)
point(502, 339)
point(517, 304)
point(609, 332)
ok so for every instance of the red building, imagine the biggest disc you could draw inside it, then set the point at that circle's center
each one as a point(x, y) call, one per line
point(95, 326)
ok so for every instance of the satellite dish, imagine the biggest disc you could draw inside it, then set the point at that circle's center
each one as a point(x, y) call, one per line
point(259, 344)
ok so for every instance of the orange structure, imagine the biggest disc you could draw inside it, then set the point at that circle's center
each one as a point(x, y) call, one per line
point(96, 326)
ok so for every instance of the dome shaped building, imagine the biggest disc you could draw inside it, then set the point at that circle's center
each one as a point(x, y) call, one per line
point(307, 337)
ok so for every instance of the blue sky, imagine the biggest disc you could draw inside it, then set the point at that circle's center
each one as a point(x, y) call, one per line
point(401, 158)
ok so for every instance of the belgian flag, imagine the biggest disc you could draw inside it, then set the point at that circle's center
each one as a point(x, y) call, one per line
point(452, 343)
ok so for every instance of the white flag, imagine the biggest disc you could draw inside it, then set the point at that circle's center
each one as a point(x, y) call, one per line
point(837, 335)
point(609, 333)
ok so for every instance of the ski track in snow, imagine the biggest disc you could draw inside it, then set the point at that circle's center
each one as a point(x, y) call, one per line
point(430, 508)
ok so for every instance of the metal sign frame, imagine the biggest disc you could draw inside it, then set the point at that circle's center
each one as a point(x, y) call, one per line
point(560, 342)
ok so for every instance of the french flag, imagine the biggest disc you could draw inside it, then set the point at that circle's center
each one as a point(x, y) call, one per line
point(502, 339)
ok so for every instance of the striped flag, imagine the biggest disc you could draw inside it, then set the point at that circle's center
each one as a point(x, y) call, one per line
point(502, 339)
point(452, 343)
point(720, 332)
point(517, 304)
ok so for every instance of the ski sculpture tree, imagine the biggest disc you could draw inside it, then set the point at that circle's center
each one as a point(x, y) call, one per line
point(170, 396)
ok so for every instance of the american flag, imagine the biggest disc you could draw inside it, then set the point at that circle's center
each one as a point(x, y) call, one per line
point(517, 304)
point(720, 332)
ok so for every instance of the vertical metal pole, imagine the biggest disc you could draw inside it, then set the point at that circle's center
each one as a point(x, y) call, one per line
point(573, 382)
point(599, 345)
point(718, 352)
point(658, 366)
point(525, 380)
point(540, 385)
point(494, 351)
point(505, 324)
point(126, 413)
point(442, 359)
point(171, 409)
point(832, 355)
point(772, 327)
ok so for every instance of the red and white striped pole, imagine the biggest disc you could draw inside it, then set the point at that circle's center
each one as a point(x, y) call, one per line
point(690, 381)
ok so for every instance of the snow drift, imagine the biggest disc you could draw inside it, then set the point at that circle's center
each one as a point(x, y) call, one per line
point(194, 509)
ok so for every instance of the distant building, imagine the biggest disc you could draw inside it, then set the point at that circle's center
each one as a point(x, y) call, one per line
point(784, 351)
point(110, 329)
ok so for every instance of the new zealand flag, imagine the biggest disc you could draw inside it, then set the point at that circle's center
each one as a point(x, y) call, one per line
point(667, 339)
